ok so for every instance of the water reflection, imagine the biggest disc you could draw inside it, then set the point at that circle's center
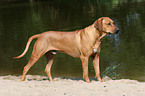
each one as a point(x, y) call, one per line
point(18, 21)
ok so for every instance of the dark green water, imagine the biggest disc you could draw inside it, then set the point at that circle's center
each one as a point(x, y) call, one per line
point(19, 21)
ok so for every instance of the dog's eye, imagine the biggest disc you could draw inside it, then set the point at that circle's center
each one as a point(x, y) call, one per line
point(109, 23)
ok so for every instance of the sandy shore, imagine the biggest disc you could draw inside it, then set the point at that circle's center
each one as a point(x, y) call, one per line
point(40, 86)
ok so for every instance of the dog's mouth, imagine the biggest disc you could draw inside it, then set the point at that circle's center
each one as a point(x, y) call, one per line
point(117, 31)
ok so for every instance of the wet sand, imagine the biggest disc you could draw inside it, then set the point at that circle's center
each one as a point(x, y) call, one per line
point(40, 86)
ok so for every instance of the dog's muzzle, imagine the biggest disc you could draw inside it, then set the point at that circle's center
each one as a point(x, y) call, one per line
point(117, 30)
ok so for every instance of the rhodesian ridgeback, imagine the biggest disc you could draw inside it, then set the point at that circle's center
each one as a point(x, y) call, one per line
point(81, 44)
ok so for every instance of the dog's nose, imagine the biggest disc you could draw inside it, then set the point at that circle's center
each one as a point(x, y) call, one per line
point(117, 30)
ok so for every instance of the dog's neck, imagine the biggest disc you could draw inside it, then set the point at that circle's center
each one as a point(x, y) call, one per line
point(95, 34)
point(101, 36)
point(95, 38)
point(92, 33)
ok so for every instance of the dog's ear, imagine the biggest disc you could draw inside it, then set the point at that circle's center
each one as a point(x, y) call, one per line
point(98, 24)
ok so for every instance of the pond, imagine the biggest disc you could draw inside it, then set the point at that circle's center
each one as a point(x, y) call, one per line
point(20, 20)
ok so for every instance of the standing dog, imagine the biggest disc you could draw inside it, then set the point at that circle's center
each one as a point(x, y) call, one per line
point(80, 44)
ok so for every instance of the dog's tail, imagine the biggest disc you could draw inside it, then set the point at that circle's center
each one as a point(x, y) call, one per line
point(27, 46)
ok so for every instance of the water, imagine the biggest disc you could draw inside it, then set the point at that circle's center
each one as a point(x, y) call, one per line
point(20, 20)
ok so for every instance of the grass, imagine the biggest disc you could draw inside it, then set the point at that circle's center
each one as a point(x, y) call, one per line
point(112, 72)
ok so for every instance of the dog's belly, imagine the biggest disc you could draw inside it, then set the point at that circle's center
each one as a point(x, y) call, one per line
point(68, 48)
point(72, 52)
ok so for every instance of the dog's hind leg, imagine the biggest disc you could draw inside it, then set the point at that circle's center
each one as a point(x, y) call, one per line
point(31, 62)
point(38, 51)
point(50, 57)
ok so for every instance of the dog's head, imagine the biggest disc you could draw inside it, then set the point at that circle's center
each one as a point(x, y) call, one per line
point(106, 25)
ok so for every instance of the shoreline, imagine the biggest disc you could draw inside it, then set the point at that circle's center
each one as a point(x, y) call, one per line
point(36, 85)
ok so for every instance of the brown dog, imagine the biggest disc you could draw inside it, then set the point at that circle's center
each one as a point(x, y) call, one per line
point(80, 44)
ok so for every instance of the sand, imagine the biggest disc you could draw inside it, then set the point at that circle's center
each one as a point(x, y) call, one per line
point(41, 86)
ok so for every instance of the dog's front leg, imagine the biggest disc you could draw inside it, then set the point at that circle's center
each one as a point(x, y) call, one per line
point(85, 68)
point(96, 66)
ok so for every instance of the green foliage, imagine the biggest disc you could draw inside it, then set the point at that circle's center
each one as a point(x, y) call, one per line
point(112, 72)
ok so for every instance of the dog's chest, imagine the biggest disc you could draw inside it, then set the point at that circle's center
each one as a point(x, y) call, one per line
point(96, 47)
point(95, 51)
